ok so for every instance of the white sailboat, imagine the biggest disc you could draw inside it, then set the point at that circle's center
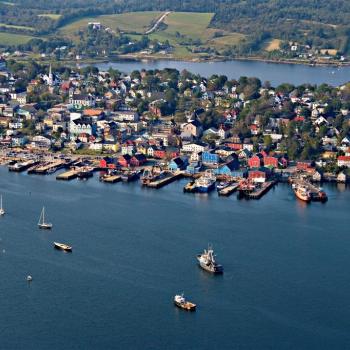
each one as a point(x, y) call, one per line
point(2, 211)
point(42, 224)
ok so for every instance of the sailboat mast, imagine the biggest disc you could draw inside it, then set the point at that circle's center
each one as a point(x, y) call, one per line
point(43, 215)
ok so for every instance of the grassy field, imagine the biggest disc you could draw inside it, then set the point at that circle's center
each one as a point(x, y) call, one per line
point(137, 22)
point(50, 15)
point(10, 26)
point(14, 39)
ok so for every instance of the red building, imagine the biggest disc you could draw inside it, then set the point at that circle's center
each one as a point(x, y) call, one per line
point(235, 146)
point(124, 160)
point(255, 161)
point(305, 165)
point(257, 176)
point(271, 162)
point(108, 163)
point(159, 153)
point(138, 160)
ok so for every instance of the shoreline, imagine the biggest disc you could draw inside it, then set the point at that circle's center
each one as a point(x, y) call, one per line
point(147, 58)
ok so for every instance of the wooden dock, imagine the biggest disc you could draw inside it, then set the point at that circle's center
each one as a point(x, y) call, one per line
point(259, 192)
point(68, 175)
point(227, 191)
point(164, 181)
point(47, 167)
point(111, 178)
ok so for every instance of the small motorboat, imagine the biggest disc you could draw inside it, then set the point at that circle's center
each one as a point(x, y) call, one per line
point(62, 246)
point(29, 278)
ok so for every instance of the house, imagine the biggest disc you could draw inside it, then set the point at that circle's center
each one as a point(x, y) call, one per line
point(342, 177)
point(194, 147)
point(193, 128)
point(227, 169)
point(193, 168)
point(257, 176)
point(255, 161)
point(82, 100)
point(138, 159)
point(124, 160)
point(108, 162)
point(305, 165)
point(159, 153)
point(82, 126)
point(210, 157)
point(343, 161)
point(270, 161)
point(178, 163)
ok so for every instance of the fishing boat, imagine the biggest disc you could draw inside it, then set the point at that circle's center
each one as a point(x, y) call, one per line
point(221, 185)
point(302, 193)
point(42, 224)
point(62, 246)
point(207, 261)
point(85, 173)
point(2, 210)
point(130, 176)
point(182, 303)
point(205, 183)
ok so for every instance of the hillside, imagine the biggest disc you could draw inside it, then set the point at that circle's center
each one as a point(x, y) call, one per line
point(242, 26)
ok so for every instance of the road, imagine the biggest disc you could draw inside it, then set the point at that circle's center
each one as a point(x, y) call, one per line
point(160, 20)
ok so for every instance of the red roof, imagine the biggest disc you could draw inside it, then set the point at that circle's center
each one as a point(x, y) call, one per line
point(344, 158)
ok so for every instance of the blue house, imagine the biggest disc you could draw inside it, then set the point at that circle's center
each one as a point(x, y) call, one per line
point(193, 168)
point(209, 157)
point(228, 169)
point(178, 163)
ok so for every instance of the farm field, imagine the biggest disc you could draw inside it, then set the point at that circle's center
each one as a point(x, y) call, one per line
point(13, 39)
point(50, 15)
point(136, 22)
point(10, 26)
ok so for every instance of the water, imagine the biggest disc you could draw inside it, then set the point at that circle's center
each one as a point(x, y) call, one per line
point(274, 72)
point(286, 283)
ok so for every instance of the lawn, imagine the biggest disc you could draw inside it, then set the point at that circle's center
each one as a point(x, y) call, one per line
point(13, 39)
point(51, 15)
point(137, 22)
point(227, 40)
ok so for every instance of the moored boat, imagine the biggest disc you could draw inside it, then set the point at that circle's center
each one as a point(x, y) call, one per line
point(302, 193)
point(207, 261)
point(62, 246)
point(42, 223)
point(2, 210)
point(130, 176)
point(182, 303)
point(205, 183)
point(85, 173)
point(221, 185)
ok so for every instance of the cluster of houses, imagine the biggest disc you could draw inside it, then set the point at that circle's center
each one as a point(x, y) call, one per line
point(98, 115)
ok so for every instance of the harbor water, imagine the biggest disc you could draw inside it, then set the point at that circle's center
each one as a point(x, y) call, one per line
point(286, 283)
point(276, 73)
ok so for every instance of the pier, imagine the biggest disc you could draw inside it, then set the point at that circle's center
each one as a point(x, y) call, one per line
point(164, 181)
point(315, 192)
point(68, 175)
point(227, 191)
point(19, 167)
point(111, 178)
point(47, 167)
point(259, 192)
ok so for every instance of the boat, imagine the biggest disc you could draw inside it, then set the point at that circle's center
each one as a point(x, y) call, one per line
point(221, 185)
point(85, 173)
point(29, 278)
point(207, 261)
point(182, 303)
point(302, 193)
point(130, 176)
point(62, 246)
point(42, 224)
point(151, 175)
point(205, 183)
point(2, 210)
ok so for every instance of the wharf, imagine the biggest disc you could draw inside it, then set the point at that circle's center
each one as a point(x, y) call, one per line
point(47, 167)
point(228, 190)
point(315, 192)
point(22, 166)
point(259, 192)
point(111, 178)
point(69, 175)
point(164, 181)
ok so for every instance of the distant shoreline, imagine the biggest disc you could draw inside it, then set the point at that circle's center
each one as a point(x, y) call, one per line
point(137, 58)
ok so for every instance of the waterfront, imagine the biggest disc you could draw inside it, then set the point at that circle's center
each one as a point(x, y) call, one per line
point(285, 284)
point(276, 73)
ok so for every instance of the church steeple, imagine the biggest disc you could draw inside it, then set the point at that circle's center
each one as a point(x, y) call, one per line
point(50, 76)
